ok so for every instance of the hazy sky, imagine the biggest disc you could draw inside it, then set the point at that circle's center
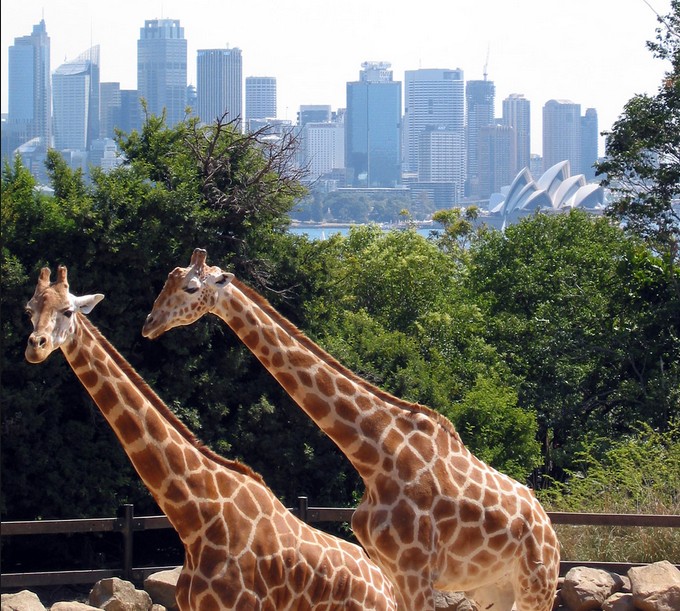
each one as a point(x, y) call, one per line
point(591, 52)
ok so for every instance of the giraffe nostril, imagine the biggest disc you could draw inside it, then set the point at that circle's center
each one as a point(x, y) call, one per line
point(41, 342)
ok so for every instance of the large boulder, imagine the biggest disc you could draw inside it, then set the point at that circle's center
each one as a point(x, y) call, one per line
point(115, 594)
point(21, 601)
point(656, 587)
point(162, 586)
point(586, 589)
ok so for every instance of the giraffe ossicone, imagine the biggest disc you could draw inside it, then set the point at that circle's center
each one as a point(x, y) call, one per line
point(243, 549)
point(433, 516)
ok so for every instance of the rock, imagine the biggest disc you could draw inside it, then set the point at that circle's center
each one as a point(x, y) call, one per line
point(586, 589)
point(656, 587)
point(118, 595)
point(621, 601)
point(72, 606)
point(21, 601)
point(161, 587)
point(453, 601)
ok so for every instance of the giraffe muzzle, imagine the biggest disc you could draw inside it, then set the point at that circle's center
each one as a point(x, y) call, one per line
point(38, 348)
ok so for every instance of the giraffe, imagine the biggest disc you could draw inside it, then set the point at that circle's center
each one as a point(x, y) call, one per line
point(433, 516)
point(243, 549)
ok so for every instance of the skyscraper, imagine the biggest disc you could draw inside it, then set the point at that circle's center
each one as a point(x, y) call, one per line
point(29, 92)
point(372, 128)
point(517, 114)
point(480, 98)
point(433, 99)
point(562, 134)
point(589, 136)
point(75, 102)
point(260, 97)
point(219, 80)
point(497, 156)
point(162, 68)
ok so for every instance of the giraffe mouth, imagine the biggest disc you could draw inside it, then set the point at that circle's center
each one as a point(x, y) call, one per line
point(36, 354)
point(153, 327)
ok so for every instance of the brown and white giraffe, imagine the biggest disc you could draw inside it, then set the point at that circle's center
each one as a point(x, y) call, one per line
point(433, 516)
point(243, 549)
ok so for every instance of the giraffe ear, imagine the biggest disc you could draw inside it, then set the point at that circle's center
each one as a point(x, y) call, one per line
point(219, 278)
point(86, 303)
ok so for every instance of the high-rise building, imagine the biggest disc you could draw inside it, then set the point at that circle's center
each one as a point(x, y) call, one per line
point(480, 99)
point(441, 159)
point(109, 109)
point(162, 68)
point(517, 114)
point(497, 155)
point(373, 127)
point(562, 134)
point(75, 102)
point(433, 99)
point(131, 117)
point(324, 148)
point(29, 92)
point(260, 97)
point(589, 135)
point(219, 79)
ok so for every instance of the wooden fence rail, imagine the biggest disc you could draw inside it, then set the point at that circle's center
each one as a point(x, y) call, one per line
point(127, 524)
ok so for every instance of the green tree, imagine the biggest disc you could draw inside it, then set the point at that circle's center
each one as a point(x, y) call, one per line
point(642, 163)
point(585, 317)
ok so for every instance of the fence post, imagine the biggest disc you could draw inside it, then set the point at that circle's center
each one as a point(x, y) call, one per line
point(302, 508)
point(125, 516)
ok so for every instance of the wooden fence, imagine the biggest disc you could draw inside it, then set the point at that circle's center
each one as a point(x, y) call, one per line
point(127, 524)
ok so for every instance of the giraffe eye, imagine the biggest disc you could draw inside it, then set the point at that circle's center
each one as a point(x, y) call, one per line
point(190, 289)
point(28, 313)
point(68, 313)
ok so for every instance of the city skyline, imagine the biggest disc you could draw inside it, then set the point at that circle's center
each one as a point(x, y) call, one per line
point(530, 47)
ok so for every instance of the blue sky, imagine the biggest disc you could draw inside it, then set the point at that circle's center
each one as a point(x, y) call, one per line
point(591, 52)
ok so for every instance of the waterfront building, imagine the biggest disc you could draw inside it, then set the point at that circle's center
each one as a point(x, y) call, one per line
point(162, 68)
point(433, 98)
point(517, 114)
point(373, 128)
point(75, 91)
point(561, 133)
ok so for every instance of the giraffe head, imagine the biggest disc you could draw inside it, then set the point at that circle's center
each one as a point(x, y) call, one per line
point(188, 293)
point(52, 310)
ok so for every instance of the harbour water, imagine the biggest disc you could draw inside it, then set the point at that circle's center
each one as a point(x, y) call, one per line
point(322, 232)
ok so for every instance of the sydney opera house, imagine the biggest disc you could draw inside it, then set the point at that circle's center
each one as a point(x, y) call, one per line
point(555, 191)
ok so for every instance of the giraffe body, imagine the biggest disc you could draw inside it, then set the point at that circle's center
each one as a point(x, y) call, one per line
point(433, 516)
point(243, 549)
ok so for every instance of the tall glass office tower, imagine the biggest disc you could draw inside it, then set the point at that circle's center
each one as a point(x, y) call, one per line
point(162, 68)
point(219, 84)
point(589, 135)
point(372, 128)
point(562, 134)
point(517, 114)
point(480, 97)
point(434, 99)
point(29, 92)
point(76, 102)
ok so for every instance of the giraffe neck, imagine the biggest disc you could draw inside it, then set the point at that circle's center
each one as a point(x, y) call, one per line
point(366, 423)
point(179, 472)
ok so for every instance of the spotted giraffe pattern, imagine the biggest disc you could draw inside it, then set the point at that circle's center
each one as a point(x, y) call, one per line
point(433, 516)
point(243, 549)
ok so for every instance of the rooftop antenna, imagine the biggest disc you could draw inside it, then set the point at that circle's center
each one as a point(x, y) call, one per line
point(486, 62)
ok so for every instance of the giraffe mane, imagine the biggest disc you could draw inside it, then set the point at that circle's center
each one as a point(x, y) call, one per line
point(315, 349)
point(150, 395)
